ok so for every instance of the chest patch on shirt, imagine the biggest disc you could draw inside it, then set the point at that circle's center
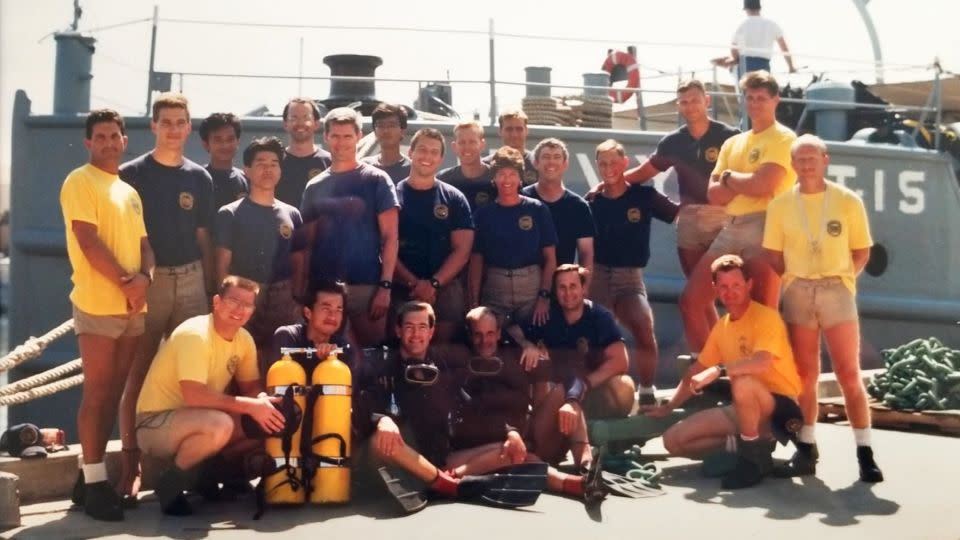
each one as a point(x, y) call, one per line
point(135, 206)
point(634, 215)
point(525, 223)
point(186, 200)
point(583, 346)
point(441, 211)
point(754, 155)
point(313, 172)
point(232, 364)
point(286, 231)
point(834, 227)
point(710, 154)
point(482, 198)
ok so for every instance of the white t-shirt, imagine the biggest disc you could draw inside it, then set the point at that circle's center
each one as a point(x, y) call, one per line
point(755, 36)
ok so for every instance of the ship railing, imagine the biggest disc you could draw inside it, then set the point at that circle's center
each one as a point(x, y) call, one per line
point(42, 384)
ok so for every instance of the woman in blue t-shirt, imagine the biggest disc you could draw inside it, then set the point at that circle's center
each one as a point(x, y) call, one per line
point(514, 252)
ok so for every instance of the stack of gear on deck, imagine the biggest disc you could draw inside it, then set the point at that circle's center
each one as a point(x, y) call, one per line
point(312, 465)
point(570, 111)
point(921, 375)
point(548, 111)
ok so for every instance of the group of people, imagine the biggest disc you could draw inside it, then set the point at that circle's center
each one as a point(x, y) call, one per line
point(307, 247)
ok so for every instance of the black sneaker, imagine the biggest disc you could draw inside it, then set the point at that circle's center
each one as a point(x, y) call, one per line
point(869, 471)
point(101, 502)
point(754, 461)
point(170, 492)
point(803, 462)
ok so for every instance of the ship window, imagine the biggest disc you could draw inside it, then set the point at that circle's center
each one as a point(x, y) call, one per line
point(878, 260)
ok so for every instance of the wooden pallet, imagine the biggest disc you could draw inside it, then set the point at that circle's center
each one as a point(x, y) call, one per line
point(945, 422)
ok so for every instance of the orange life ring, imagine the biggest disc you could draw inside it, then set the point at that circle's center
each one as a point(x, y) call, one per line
point(622, 66)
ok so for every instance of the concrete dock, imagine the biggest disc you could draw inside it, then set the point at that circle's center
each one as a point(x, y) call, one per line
point(918, 500)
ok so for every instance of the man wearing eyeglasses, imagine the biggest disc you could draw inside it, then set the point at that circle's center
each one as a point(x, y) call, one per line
point(389, 127)
point(183, 413)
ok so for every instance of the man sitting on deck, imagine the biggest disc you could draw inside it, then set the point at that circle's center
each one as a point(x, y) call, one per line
point(749, 345)
point(183, 412)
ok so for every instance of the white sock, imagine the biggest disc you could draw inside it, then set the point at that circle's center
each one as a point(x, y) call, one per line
point(94, 472)
point(807, 434)
point(647, 389)
point(751, 438)
point(862, 436)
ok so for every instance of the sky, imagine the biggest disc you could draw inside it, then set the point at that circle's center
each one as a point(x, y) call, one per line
point(825, 36)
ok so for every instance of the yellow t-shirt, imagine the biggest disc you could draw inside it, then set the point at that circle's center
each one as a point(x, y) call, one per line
point(195, 352)
point(844, 229)
point(759, 329)
point(746, 152)
point(92, 195)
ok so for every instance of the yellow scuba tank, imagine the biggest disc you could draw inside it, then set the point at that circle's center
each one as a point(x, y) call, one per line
point(332, 383)
point(284, 486)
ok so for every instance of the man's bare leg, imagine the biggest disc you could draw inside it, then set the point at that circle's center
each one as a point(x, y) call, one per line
point(697, 296)
point(766, 282)
point(688, 261)
point(699, 434)
point(806, 351)
point(98, 404)
point(635, 314)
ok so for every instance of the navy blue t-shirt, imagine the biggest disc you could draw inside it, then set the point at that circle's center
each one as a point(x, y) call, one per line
point(176, 202)
point(398, 171)
point(228, 185)
point(512, 237)
point(571, 218)
point(530, 174)
point(479, 191)
point(592, 333)
point(692, 159)
point(427, 217)
point(260, 239)
point(345, 206)
point(295, 172)
point(623, 225)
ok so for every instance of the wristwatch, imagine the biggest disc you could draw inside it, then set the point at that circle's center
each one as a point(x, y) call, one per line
point(435, 283)
point(723, 370)
point(386, 284)
point(543, 293)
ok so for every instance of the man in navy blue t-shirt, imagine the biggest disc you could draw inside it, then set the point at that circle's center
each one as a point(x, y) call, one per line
point(472, 177)
point(589, 359)
point(350, 220)
point(304, 159)
point(220, 136)
point(389, 126)
point(571, 215)
point(261, 239)
point(436, 236)
point(513, 133)
point(177, 197)
point(623, 216)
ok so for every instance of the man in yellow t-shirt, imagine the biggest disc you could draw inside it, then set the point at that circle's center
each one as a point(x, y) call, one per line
point(183, 411)
point(752, 168)
point(818, 237)
point(112, 266)
point(750, 346)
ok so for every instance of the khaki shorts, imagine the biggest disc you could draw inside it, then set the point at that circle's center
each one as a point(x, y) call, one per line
point(111, 326)
point(698, 225)
point(275, 308)
point(598, 405)
point(511, 293)
point(358, 299)
point(818, 303)
point(610, 284)
point(450, 304)
point(743, 236)
point(153, 429)
point(177, 294)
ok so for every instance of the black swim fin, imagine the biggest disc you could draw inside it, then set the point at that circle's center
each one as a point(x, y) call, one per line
point(510, 487)
point(409, 498)
point(594, 490)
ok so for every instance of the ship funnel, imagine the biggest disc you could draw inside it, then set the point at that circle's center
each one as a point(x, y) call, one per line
point(71, 83)
point(343, 93)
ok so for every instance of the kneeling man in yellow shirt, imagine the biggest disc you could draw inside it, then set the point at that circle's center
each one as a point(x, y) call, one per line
point(183, 411)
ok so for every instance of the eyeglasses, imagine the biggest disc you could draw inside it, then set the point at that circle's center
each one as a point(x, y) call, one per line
point(233, 303)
